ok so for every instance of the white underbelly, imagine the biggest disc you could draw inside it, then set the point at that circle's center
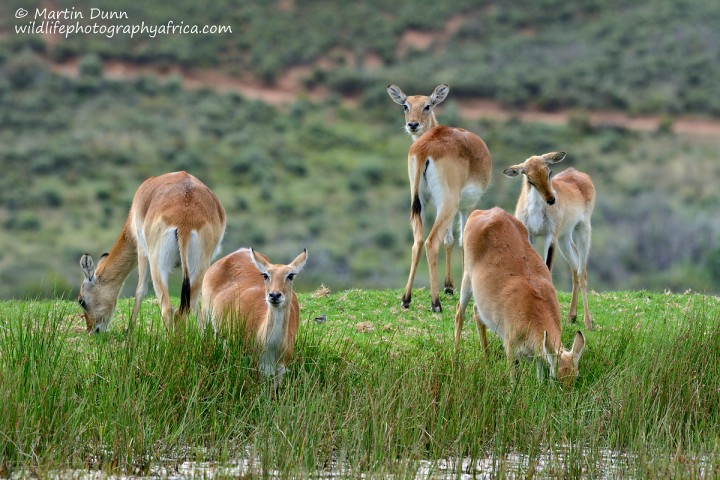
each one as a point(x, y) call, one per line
point(491, 323)
point(470, 197)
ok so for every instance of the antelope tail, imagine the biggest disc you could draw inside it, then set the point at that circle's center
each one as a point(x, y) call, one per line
point(416, 206)
point(183, 247)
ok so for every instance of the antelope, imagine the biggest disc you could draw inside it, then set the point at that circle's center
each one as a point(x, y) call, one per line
point(450, 167)
point(559, 209)
point(514, 295)
point(173, 218)
point(245, 290)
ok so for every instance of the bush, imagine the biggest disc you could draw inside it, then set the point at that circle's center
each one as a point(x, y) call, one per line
point(24, 70)
point(90, 67)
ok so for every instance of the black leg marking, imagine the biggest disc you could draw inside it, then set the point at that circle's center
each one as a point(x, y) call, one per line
point(550, 256)
point(436, 307)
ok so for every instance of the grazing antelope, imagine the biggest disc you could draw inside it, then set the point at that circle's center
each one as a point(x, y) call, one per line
point(558, 209)
point(450, 167)
point(173, 218)
point(243, 289)
point(514, 295)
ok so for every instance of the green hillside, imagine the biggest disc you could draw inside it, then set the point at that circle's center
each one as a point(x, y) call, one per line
point(646, 56)
point(330, 175)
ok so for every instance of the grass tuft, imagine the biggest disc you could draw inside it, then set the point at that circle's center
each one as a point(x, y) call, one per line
point(393, 399)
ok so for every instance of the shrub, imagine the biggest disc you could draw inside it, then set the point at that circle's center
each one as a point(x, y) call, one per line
point(90, 66)
point(24, 70)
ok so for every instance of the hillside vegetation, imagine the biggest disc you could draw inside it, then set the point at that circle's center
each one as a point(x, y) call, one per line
point(316, 176)
point(645, 56)
point(330, 175)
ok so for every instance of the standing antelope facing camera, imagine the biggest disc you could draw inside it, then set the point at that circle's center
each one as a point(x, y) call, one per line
point(450, 167)
point(244, 290)
point(559, 209)
point(173, 217)
point(514, 295)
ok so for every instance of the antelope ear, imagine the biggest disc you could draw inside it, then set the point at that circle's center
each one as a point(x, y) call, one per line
point(259, 262)
point(88, 267)
point(554, 157)
point(299, 262)
point(439, 94)
point(396, 94)
point(513, 171)
point(577, 347)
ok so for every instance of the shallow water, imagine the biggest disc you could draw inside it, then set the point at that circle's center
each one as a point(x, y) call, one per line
point(558, 462)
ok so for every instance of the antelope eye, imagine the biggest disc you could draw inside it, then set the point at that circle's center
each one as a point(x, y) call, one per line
point(426, 108)
point(266, 276)
point(406, 108)
point(291, 276)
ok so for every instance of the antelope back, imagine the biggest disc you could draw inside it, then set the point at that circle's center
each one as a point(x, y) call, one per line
point(514, 293)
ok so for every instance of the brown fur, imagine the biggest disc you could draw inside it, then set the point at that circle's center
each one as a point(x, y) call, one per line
point(450, 167)
point(513, 292)
point(237, 297)
point(174, 202)
point(563, 218)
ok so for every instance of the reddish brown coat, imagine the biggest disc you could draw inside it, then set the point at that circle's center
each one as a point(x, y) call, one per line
point(244, 292)
point(449, 167)
point(513, 292)
point(172, 215)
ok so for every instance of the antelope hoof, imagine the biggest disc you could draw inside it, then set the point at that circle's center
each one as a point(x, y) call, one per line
point(573, 318)
point(436, 307)
point(449, 289)
point(405, 302)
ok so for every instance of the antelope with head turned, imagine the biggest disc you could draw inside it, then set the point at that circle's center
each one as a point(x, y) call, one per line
point(173, 218)
point(450, 167)
point(514, 295)
point(559, 210)
point(244, 290)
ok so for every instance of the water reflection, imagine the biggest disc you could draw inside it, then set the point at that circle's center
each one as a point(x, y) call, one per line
point(553, 463)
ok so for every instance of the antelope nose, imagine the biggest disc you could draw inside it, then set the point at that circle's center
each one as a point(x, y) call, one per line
point(413, 125)
point(551, 201)
point(274, 297)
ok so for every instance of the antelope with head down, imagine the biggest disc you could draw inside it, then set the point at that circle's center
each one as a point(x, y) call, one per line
point(450, 167)
point(173, 218)
point(559, 210)
point(514, 295)
point(244, 291)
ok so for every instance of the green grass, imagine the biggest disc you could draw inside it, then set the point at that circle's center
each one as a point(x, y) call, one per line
point(374, 388)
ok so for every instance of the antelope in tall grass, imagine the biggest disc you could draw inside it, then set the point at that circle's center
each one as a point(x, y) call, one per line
point(514, 295)
point(451, 167)
point(559, 210)
point(244, 290)
point(173, 218)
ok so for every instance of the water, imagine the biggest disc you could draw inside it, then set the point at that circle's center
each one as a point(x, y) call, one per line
point(551, 463)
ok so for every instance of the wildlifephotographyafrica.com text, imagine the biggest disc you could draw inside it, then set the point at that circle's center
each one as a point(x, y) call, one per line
point(71, 21)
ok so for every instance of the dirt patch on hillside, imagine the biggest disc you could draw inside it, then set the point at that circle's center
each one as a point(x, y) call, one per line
point(482, 108)
point(290, 86)
point(284, 92)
